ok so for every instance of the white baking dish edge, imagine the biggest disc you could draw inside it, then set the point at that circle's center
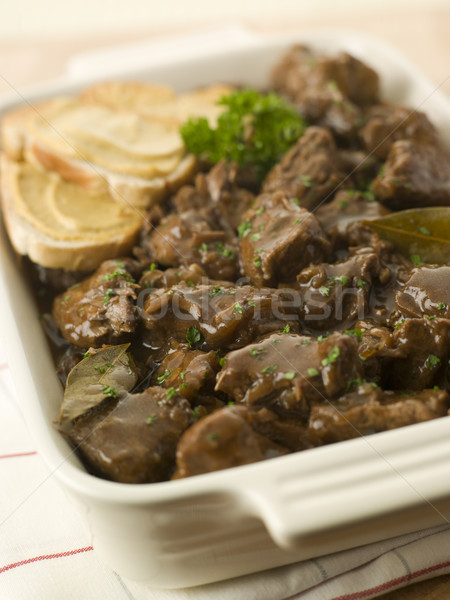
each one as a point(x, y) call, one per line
point(311, 503)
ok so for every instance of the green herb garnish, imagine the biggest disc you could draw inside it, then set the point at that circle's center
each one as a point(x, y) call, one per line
point(171, 392)
point(289, 375)
point(254, 130)
point(244, 228)
point(332, 357)
point(109, 391)
point(193, 336)
point(108, 295)
point(432, 361)
point(161, 378)
point(269, 369)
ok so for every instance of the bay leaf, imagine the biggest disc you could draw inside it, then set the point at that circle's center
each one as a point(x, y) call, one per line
point(110, 372)
point(421, 233)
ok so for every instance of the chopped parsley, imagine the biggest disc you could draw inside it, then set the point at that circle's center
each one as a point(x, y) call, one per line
point(312, 372)
point(151, 419)
point(161, 378)
point(343, 279)
point(269, 369)
point(257, 351)
point(354, 383)
point(108, 295)
point(216, 291)
point(237, 308)
point(118, 273)
point(432, 362)
point(193, 336)
point(357, 333)
point(257, 262)
point(289, 375)
point(244, 228)
point(286, 329)
point(416, 260)
point(171, 392)
point(226, 252)
point(306, 180)
point(109, 392)
point(332, 357)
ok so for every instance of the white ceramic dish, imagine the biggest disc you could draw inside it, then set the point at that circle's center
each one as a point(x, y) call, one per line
point(251, 518)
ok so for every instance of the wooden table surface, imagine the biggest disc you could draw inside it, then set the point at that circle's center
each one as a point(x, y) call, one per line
point(421, 35)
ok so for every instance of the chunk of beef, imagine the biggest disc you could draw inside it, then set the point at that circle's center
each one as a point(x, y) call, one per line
point(278, 239)
point(185, 239)
point(326, 90)
point(215, 317)
point(191, 274)
point(101, 309)
point(359, 168)
point(415, 174)
point(135, 439)
point(422, 352)
point(337, 294)
point(370, 410)
point(348, 207)
point(387, 123)
point(283, 427)
point(374, 338)
point(310, 171)
point(217, 196)
point(426, 292)
point(190, 372)
point(221, 440)
point(289, 372)
point(394, 268)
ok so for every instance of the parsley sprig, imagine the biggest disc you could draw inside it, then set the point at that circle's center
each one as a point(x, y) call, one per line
point(254, 129)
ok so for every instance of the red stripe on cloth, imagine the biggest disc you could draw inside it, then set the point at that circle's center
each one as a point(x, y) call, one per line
point(28, 561)
point(387, 585)
point(17, 454)
point(3, 366)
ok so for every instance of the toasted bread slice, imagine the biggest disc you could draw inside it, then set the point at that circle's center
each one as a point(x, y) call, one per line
point(57, 224)
point(123, 137)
